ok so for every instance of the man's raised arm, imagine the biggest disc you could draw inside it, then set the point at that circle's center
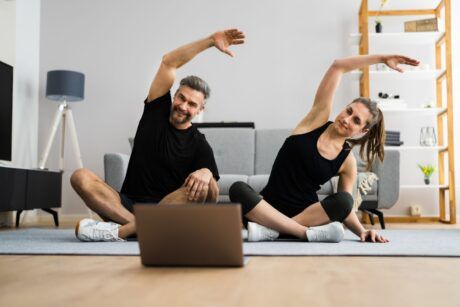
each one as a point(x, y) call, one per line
point(164, 79)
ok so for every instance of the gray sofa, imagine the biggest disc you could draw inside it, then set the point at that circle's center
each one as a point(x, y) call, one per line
point(248, 154)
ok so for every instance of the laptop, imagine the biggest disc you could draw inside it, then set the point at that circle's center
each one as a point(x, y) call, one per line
point(189, 235)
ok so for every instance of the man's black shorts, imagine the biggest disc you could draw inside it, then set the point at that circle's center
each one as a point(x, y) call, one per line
point(128, 202)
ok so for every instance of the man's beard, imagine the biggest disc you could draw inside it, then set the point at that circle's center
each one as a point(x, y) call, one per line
point(184, 117)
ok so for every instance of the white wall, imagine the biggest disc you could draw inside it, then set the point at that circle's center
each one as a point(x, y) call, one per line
point(26, 84)
point(7, 55)
point(118, 45)
point(19, 47)
point(7, 32)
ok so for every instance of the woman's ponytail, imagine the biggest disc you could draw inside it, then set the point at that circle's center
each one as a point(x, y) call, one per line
point(373, 142)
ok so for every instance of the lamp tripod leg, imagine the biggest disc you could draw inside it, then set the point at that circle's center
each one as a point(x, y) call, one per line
point(61, 157)
point(49, 142)
point(73, 136)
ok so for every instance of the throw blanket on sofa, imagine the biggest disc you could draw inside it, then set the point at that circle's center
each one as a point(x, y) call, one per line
point(362, 187)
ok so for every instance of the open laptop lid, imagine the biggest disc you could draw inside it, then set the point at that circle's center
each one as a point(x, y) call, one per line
point(189, 235)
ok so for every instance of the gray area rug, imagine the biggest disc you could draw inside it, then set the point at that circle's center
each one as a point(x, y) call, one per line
point(418, 243)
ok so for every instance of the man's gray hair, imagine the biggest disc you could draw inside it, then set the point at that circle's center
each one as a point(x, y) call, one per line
point(197, 84)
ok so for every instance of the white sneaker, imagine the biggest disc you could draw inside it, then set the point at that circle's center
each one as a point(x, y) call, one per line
point(93, 231)
point(332, 232)
point(258, 232)
point(244, 234)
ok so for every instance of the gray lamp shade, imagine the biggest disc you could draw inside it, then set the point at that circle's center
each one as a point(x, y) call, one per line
point(65, 85)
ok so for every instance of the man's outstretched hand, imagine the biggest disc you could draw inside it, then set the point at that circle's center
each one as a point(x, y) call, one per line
point(224, 39)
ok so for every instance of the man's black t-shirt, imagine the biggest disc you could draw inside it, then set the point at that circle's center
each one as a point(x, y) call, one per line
point(163, 156)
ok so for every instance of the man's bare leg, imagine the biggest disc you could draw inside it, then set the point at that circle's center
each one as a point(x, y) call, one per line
point(100, 197)
point(178, 197)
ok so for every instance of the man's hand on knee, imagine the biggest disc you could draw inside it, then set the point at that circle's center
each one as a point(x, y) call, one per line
point(197, 184)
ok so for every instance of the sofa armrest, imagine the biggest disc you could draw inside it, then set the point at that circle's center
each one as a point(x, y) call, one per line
point(115, 166)
point(388, 183)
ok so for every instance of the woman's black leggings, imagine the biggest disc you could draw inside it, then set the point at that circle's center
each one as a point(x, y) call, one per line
point(337, 206)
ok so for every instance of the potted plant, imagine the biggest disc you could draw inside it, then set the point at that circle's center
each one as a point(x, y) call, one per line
point(378, 25)
point(427, 171)
point(378, 21)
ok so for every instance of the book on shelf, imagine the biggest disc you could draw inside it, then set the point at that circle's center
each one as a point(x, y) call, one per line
point(394, 143)
point(421, 25)
point(392, 134)
point(392, 139)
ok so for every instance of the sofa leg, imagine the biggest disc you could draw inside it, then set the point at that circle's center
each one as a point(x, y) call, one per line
point(380, 216)
point(371, 217)
point(370, 214)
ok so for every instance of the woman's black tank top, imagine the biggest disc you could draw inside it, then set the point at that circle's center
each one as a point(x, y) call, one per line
point(299, 170)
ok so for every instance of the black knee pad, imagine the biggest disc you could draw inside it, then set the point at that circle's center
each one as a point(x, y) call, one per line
point(338, 206)
point(241, 192)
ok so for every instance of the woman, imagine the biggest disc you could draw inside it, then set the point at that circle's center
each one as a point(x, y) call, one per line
point(316, 151)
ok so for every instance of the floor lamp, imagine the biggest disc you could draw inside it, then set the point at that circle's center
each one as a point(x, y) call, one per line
point(63, 86)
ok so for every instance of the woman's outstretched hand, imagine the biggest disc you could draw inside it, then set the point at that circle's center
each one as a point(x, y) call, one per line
point(393, 61)
point(372, 236)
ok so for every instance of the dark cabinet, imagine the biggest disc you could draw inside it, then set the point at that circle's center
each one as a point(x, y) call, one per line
point(27, 189)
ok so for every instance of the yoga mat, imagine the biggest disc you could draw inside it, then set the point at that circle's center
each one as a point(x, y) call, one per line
point(419, 243)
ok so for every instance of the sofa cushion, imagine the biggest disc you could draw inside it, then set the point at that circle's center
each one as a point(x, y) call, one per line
point(374, 187)
point(334, 182)
point(268, 143)
point(224, 199)
point(325, 189)
point(226, 180)
point(258, 182)
point(115, 166)
point(360, 163)
point(233, 149)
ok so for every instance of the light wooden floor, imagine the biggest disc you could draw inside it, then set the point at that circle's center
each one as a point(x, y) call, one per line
point(265, 281)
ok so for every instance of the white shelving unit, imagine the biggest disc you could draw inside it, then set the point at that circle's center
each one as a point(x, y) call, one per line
point(420, 186)
point(402, 148)
point(415, 111)
point(412, 38)
point(441, 77)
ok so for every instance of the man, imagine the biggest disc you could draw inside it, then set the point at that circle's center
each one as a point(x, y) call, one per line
point(171, 161)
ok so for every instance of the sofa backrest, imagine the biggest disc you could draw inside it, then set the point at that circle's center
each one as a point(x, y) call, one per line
point(247, 151)
point(268, 143)
point(361, 164)
point(233, 149)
